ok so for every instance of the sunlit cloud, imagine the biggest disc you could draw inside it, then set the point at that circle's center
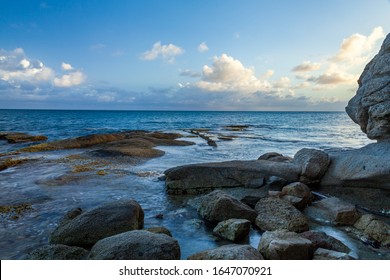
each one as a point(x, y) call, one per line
point(307, 66)
point(70, 80)
point(203, 47)
point(189, 73)
point(66, 66)
point(166, 52)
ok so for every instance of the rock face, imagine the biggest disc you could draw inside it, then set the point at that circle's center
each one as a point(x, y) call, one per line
point(277, 214)
point(136, 245)
point(324, 254)
point(218, 206)
point(229, 252)
point(58, 252)
point(233, 229)
point(284, 245)
point(333, 210)
point(322, 240)
point(85, 228)
point(374, 228)
point(370, 107)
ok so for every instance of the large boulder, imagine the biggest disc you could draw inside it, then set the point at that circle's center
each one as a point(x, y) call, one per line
point(314, 164)
point(218, 206)
point(229, 252)
point(233, 229)
point(277, 214)
point(298, 194)
point(374, 228)
point(370, 107)
point(136, 245)
point(58, 252)
point(284, 245)
point(84, 229)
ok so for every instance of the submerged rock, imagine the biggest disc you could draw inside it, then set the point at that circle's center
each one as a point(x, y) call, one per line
point(85, 228)
point(136, 245)
point(284, 245)
point(229, 252)
point(58, 252)
point(218, 206)
point(277, 214)
point(370, 107)
point(233, 229)
point(19, 137)
point(325, 254)
point(11, 162)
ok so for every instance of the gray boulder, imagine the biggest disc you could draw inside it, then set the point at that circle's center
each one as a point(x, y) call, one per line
point(325, 254)
point(229, 252)
point(218, 206)
point(160, 230)
point(277, 214)
point(284, 245)
point(322, 240)
point(374, 228)
point(370, 107)
point(85, 228)
point(136, 245)
point(298, 194)
point(233, 229)
point(333, 210)
point(58, 252)
point(272, 156)
point(314, 164)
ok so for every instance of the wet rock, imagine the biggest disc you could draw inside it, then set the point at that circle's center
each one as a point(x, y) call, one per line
point(160, 230)
point(203, 177)
point(228, 252)
point(236, 127)
point(136, 245)
point(277, 214)
point(370, 107)
point(19, 137)
point(58, 252)
point(333, 210)
point(298, 194)
point(284, 245)
point(322, 240)
point(233, 229)
point(218, 206)
point(314, 164)
point(325, 254)
point(374, 228)
point(87, 228)
point(11, 162)
point(272, 156)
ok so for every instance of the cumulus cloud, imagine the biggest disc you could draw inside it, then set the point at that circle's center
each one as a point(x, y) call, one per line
point(307, 66)
point(203, 47)
point(69, 80)
point(66, 66)
point(166, 52)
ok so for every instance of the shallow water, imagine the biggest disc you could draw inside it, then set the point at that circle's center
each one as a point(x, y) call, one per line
point(36, 182)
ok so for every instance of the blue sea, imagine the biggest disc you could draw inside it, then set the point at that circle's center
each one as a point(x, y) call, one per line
point(283, 132)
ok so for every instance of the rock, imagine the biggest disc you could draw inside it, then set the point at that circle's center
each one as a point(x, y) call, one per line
point(228, 252)
point(314, 164)
point(374, 228)
point(284, 245)
point(322, 240)
point(370, 107)
point(277, 214)
point(324, 254)
point(218, 206)
point(161, 230)
point(236, 127)
point(19, 137)
point(333, 210)
point(367, 167)
point(58, 252)
point(233, 229)
point(276, 183)
point(251, 201)
point(136, 245)
point(87, 228)
point(203, 177)
point(298, 194)
point(11, 162)
point(254, 183)
point(272, 156)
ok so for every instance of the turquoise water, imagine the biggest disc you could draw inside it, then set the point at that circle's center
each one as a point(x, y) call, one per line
point(284, 132)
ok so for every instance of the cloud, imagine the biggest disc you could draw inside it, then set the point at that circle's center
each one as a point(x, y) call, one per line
point(69, 80)
point(166, 52)
point(66, 66)
point(333, 78)
point(203, 47)
point(189, 73)
point(306, 66)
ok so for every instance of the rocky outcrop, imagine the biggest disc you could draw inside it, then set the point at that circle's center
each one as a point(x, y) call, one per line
point(58, 252)
point(233, 229)
point(277, 214)
point(333, 210)
point(136, 245)
point(229, 252)
point(370, 107)
point(84, 229)
point(218, 206)
point(284, 245)
point(19, 137)
point(325, 254)
point(322, 240)
point(374, 228)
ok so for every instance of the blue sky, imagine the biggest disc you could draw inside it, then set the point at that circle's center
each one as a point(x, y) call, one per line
point(186, 55)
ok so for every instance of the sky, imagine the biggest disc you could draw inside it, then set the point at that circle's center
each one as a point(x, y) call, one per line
point(240, 55)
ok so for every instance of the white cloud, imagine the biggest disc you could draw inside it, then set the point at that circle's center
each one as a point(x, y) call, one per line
point(333, 78)
point(69, 80)
point(189, 73)
point(66, 66)
point(203, 47)
point(166, 52)
point(268, 74)
point(307, 66)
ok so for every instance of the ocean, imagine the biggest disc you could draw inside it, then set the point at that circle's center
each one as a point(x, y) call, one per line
point(283, 132)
